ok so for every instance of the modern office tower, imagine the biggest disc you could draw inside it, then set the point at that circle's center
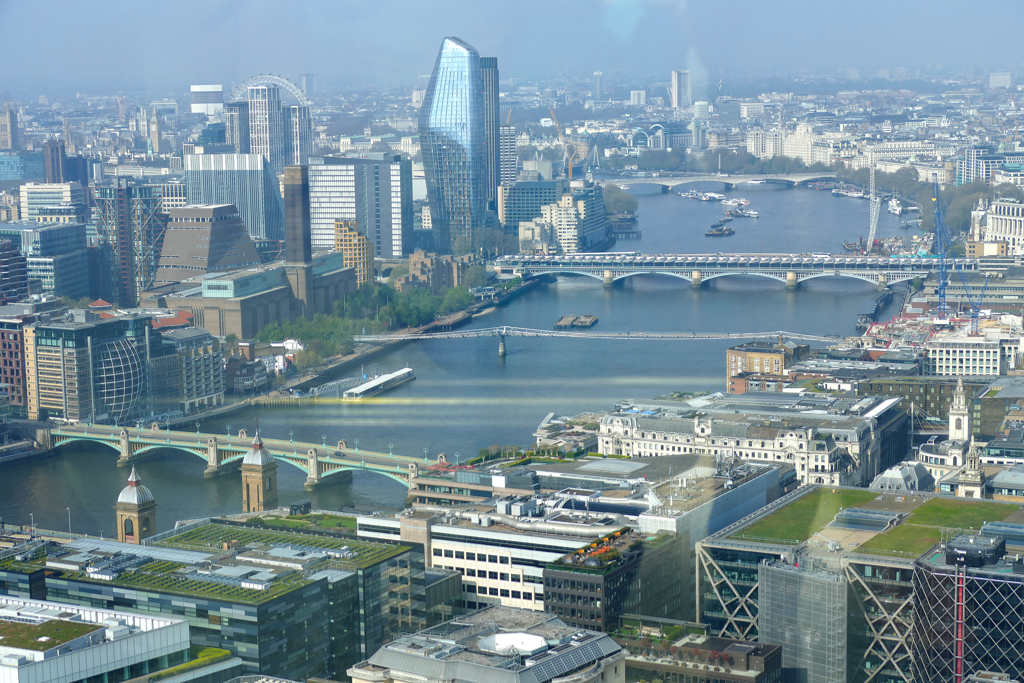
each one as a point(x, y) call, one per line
point(508, 156)
point(9, 137)
point(173, 193)
point(154, 134)
point(682, 94)
point(37, 197)
point(492, 126)
point(207, 99)
point(130, 231)
point(452, 142)
point(373, 189)
point(88, 369)
point(308, 84)
point(728, 110)
point(13, 273)
point(298, 132)
point(21, 166)
point(205, 238)
point(521, 200)
point(266, 125)
point(136, 511)
point(55, 162)
point(597, 86)
point(55, 254)
point(356, 247)
point(245, 180)
point(236, 126)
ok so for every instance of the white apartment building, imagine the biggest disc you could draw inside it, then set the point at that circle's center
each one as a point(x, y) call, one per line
point(266, 125)
point(1004, 222)
point(765, 144)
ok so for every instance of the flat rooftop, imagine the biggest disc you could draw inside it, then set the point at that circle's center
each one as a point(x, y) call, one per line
point(853, 520)
point(42, 636)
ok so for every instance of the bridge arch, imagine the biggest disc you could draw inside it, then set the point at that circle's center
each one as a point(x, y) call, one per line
point(679, 276)
point(347, 468)
point(241, 91)
point(715, 276)
point(594, 276)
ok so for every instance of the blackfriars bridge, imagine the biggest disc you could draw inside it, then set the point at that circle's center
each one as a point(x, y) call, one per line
point(791, 269)
point(224, 453)
point(668, 182)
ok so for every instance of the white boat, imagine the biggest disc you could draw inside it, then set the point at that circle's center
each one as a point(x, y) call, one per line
point(895, 208)
point(623, 187)
point(715, 195)
point(731, 202)
point(380, 384)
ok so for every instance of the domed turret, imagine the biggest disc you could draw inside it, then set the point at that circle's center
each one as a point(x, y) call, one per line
point(259, 478)
point(136, 511)
point(257, 455)
point(135, 492)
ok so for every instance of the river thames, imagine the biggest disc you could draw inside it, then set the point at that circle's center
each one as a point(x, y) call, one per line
point(465, 397)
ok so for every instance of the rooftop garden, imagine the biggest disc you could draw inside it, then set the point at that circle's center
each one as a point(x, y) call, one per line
point(203, 657)
point(53, 633)
point(318, 521)
point(960, 513)
point(904, 540)
point(798, 521)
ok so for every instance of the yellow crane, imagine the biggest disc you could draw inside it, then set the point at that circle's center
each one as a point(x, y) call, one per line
point(565, 148)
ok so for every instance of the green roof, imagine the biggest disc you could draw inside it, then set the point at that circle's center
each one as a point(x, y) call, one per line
point(798, 521)
point(24, 636)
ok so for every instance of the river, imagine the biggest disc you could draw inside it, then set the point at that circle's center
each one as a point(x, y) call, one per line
point(465, 397)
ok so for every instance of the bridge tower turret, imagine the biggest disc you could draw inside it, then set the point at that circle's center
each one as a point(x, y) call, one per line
point(136, 511)
point(259, 478)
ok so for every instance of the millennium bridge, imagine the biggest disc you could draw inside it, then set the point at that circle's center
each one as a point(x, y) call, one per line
point(668, 182)
point(223, 453)
point(792, 269)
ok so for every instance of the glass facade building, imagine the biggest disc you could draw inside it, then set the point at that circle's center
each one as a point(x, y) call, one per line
point(452, 141)
point(245, 180)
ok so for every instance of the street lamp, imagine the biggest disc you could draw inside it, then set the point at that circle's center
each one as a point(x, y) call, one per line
point(324, 437)
point(425, 454)
point(291, 436)
point(229, 431)
point(69, 520)
point(197, 427)
point(357, 444)
point(33, 517)
point(390, 446)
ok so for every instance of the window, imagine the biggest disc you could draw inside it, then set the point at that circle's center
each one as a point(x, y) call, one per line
point(437, 552)
point(492, 591)
point(470, 556)
point(459, 555)
point(448, 553)
point(493, 559)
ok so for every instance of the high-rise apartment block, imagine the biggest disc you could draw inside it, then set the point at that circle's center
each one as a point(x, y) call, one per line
point(245, 180)
point(452, 142)
point(266, 125)
point(372, 189)
point(298, 134)
point(492, 125)
point(9, 136)
point(508, 156)
point(130, 231)
point(356, 247)
point(638, 98)
point(308, 84)
point(521, 200)
point(207, 99)
point(13, 273)
point(236, 126)
point(681, 90)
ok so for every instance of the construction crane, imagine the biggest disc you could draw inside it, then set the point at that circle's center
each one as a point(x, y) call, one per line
point(569, 158)
point(942, 240)
point(975, 303)
point(876, 205)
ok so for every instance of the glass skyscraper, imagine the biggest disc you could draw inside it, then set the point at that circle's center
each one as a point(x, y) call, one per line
point(452, 140)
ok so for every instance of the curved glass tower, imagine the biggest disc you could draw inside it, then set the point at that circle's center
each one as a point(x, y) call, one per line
point(452, 142)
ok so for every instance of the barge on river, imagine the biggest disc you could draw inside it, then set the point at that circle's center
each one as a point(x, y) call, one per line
point(380, 384)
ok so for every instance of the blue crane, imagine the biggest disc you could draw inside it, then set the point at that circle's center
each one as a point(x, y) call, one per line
point(942, 240)
point(975, 303)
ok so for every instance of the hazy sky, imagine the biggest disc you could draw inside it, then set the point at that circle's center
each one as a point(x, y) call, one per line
point(106, 45)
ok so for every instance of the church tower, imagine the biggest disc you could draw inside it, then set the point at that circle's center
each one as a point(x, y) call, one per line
point(136, 512)
point(959, 421)
point(259, 478)
point(972, 479)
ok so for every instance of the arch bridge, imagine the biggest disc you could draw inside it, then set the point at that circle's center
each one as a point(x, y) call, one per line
point(668, 182)
point(224, 453)
point(791, 269)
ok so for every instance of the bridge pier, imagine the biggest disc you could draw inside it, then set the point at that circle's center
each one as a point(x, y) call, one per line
point(501, 345)
point(313, 469)
point(125, 457)
point(695, 279)
point(608, 278)
point(883, 281)
point(213, 459)
point(791, 280)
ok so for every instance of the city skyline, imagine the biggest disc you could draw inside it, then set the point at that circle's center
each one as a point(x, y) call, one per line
point(621, 38)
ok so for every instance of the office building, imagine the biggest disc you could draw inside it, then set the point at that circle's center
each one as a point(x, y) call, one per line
point(12, 374)
point(991, 352)
point(492, 126)
point(36, 197)
point(285, 602)
point(308, 84)
point(1004, 222)
point(204, 238)
point(575, 223)
point(9, 134)
point(828, 440)
point(508, 156)
point(598, 93)
point(55, 255)
point(207, 99)
point(236, 126)
point(266, 125)
point(55, 162)
point(372, 189)
point(88, 369)
point(55, 642)
point(298, 134)
point(521, 200)
point(452, 133)
point(759, 356)
point(130, 232)
point(729, 112)
point(544, 648)
point(245, 180)
point(681, 90)
point(13, 273)
point(1000, 79)
point(699, 658)
point(21, 166)
point(357, 249)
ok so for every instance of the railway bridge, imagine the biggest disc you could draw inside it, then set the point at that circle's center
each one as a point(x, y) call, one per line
point(668, 182)
point(224, 453)
point(791, 269)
